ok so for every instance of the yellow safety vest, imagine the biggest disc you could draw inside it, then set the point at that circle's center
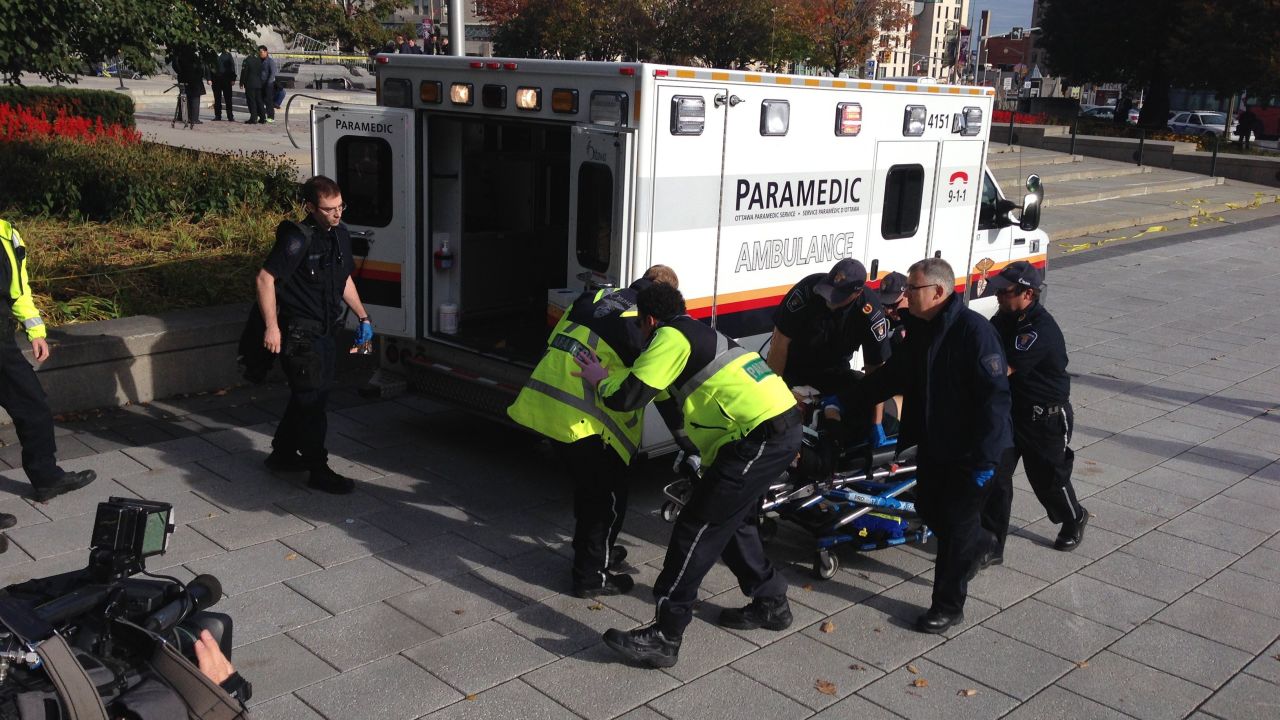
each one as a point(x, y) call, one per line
point(724, 399)
point(24, 308)
point(566, 408)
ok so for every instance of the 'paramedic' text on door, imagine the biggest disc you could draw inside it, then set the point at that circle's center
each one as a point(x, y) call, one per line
point(759, 200)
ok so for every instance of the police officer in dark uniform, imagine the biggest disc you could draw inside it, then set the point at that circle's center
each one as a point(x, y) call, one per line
point(20, 392)
point(892, 294)
point(1042, 417)
point(952, 375)
point(818, 326)
point(743, 420)
point(301, 288)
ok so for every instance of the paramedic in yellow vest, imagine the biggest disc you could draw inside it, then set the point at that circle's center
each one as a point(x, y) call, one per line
point(20, 391)
point(745, 424)
point(595, 444)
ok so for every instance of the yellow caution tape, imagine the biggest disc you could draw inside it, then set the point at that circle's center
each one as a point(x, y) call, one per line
point(1075, 248)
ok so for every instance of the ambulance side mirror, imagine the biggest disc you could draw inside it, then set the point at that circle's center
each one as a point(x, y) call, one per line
point(1030, 218)
point(1031, 204)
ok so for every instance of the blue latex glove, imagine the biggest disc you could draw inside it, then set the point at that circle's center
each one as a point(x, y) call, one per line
point(364, 332)
point(980, 477)
point(878, 438)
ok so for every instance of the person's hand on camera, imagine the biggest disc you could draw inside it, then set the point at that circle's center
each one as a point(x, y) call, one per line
point(212, 662)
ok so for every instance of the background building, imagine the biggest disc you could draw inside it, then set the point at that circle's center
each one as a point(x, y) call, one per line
point(479, 34)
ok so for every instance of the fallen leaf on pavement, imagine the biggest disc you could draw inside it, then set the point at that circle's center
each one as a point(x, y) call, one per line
point(1082, 664)
point(875, 629)
point(859, 668)
point(826, 687)
point(807, 587)
point(291, 556)
point(459, 611)
point(967, 692)
point(220, 393)
point(913, 669)
point(920, 682)
point(471, 697)
point(864, 576)
point(596, 607)
point(828, 627)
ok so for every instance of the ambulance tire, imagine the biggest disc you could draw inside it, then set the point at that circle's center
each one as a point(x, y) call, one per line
point(669, 511)
point(826, 564)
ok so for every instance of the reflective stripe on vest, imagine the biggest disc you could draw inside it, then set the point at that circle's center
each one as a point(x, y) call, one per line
point(586, 405)
point(723, 357)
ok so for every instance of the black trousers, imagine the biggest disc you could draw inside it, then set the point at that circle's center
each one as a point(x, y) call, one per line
point(253, 98)
point(268, 101)
point(967, 520)
point(599, 505)
point(193, 101)
point(1041, 440)
point(23, 398)
point(222, 96)
point(721, 521)
point(304, 425)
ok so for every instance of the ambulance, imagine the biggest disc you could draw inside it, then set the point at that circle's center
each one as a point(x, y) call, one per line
point(484, 195)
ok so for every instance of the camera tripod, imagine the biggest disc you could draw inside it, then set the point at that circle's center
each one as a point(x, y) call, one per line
point(180, 112)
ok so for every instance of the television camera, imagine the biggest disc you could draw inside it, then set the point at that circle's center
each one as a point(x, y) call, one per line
point(110, 620)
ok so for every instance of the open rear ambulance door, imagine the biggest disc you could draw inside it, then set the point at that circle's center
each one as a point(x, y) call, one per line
point(371, 153)
point(600, 201)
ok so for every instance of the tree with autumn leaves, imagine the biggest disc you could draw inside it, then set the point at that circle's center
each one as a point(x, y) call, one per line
point(835, 35)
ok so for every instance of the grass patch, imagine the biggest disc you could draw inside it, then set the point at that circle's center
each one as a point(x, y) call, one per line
point(85, 271)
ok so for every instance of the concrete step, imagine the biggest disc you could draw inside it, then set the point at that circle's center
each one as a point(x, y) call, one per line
point(1204, 204)
point(1095, 190)
point(1030, 156)
point(1087, 170)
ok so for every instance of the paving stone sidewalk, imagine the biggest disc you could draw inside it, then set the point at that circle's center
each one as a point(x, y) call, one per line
point(439, 588)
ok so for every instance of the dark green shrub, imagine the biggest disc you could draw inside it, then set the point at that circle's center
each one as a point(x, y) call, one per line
point(138, 182)
point(113, 107)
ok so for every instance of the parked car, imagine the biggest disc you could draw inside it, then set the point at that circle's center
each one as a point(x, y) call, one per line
point(1099, 112)
point(1205, 123)
point(298, 75)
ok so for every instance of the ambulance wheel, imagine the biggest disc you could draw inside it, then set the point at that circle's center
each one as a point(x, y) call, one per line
point(768, 530)
point(826, 564)
point(669, 511)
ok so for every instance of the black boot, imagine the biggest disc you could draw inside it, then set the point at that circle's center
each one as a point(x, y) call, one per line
point(327, 480)
point(280, 461)
point(610, 585)
point(1072, 533)
point(769, 613)
point(645, 646)
point(65, 484)
point(936, 622)
point(617, 558)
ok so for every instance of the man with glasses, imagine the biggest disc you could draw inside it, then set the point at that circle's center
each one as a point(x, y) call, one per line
point(951, 373)
point(301, 288)
point(1042, 417)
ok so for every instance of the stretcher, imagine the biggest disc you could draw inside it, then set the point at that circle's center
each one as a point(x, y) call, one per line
point(843, 494)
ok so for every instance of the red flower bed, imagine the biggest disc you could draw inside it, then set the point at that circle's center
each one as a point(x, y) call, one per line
point(19, 123)
point(1000, 117)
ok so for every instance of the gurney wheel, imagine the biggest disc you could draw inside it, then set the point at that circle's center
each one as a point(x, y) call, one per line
point(826, 564)
point(669, 511)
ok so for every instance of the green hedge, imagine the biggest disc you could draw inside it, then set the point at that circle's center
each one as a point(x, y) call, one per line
point(113, 107)
point(104, 180)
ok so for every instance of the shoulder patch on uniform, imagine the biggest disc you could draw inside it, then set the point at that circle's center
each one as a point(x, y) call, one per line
point(795, 301)
point(994, 365)
point(880, 329)
point(1025, 340)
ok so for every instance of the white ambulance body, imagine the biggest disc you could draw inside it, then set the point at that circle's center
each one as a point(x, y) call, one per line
point(492, 191)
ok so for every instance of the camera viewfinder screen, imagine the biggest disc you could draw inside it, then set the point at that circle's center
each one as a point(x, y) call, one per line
point(155, 536)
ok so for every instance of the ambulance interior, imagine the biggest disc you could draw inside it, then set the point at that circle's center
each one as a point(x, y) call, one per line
point(499, 192)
